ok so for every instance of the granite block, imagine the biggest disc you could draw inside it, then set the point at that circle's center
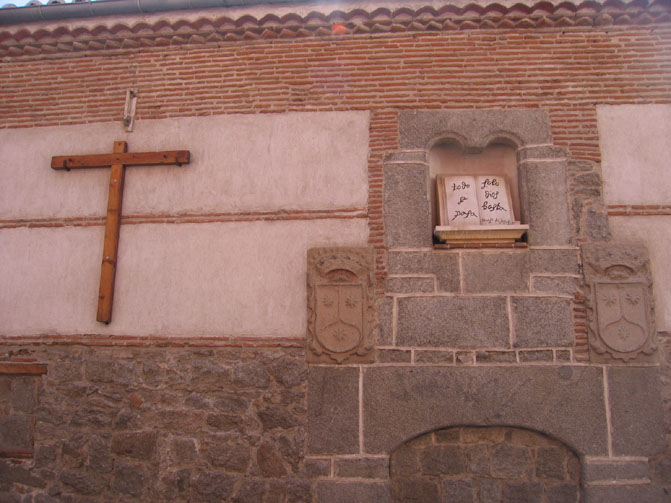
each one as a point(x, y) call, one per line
point(452, 322)
point(330, 491)
point(495, 271)
point(333, 410)
point(403, 402)
point(406, 206)
point(636, 411)
point(542, 322)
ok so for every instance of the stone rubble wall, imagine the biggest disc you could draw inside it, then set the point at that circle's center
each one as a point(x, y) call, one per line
point(156, 424)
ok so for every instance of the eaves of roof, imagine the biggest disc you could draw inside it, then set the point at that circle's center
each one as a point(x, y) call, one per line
point(214, 25)
point(86, 9)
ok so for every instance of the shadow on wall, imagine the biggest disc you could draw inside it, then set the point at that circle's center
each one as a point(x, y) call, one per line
point(484, 464)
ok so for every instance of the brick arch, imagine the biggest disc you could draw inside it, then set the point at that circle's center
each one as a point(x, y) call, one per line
point(484, 464)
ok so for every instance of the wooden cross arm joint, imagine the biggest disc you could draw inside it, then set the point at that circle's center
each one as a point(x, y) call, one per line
point(177, 157)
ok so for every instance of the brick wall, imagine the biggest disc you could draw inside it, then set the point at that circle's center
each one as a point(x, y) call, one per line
point(567, 71)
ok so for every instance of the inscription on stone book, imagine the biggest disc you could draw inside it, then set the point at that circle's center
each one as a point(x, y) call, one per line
point(462, 201)
point(474, 200)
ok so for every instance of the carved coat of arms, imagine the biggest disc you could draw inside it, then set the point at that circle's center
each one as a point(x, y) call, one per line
point(341, 312)
point(618, 300)
point(622, 315)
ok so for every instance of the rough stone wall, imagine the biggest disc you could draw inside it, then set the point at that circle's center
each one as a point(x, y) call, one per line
point(485, 465)
point(157, 424)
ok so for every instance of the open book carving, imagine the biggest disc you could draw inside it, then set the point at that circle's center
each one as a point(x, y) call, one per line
point(474, 200)
point(476, 209)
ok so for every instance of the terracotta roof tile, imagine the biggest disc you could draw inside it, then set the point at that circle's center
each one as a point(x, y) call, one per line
point(27, 41)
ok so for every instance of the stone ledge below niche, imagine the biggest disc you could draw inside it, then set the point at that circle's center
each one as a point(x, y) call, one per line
point(480, 236)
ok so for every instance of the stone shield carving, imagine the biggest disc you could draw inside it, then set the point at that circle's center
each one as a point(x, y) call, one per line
point(341, 307)
point(622, 315)
point(619, 305)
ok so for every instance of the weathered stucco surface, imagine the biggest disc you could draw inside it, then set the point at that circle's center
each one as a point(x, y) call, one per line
point(655, 232)
point(238, 163)
point(635, 148)
point(242, 279)
point(209, 278)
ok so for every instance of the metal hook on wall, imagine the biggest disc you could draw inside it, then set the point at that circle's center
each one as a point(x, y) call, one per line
point(129, 109)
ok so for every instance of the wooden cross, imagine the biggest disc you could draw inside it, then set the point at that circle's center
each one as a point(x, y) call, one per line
point(118, 162)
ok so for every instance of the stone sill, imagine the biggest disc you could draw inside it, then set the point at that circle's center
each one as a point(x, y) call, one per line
point(16, 368)
point(457, 246)
point(481, 235)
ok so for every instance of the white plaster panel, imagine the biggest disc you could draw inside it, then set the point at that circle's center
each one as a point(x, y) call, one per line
point(239, 279)
point(655, 233)
point(301, 161)
point(636, 153)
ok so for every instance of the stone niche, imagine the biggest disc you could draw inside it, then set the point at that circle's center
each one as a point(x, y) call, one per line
point(475, 196)
point(516, 144)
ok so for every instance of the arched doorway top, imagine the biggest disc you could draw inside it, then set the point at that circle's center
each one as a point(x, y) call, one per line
point(494, 463)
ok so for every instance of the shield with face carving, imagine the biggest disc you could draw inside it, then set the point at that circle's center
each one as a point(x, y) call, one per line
point(621, 309)
point(341, 316)
point(339, 322)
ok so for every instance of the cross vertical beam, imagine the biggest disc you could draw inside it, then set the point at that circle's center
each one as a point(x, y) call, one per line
point(112, 230)
point(117, 161)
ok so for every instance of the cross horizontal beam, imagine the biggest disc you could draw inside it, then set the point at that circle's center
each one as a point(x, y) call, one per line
point(178, 157)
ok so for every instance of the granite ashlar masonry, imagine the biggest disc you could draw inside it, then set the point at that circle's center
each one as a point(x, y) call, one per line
point(489, 338)
point(489, 300)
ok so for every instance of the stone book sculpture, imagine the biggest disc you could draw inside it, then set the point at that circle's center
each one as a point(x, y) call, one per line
point(475, 209)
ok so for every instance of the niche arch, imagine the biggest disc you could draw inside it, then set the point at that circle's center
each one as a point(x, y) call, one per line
point(493, 464)
point(540, 168)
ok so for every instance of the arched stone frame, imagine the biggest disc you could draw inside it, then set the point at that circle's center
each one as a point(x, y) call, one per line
point(360, 414)
point(491, 463)
point(541, 171)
